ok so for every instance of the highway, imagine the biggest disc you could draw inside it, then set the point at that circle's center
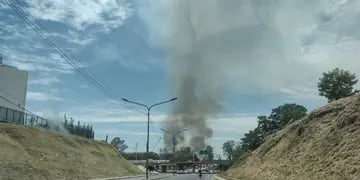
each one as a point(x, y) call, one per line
point(176, 177)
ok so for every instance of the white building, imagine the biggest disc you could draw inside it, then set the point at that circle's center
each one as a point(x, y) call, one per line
point(13, 87)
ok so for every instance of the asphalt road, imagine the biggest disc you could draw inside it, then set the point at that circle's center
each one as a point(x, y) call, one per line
point(189, 177)
point(176, 177)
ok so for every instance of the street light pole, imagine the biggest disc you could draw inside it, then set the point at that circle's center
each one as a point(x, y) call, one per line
point(136, 149)
point(148, 108)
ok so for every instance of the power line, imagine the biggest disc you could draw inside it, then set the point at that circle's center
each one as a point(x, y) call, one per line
point(62, 54)
point(7, 93)
point(68, 57)
point(17, 105)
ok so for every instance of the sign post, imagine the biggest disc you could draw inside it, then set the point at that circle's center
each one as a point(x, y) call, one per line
point(203, 152)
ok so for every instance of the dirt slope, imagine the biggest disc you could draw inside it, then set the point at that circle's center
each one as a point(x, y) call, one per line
point(30, 153)
point(324, 145)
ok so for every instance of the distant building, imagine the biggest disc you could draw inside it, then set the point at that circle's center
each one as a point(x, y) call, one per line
point(13, 87)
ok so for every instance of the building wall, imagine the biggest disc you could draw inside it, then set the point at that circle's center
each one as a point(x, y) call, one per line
point(13, 86)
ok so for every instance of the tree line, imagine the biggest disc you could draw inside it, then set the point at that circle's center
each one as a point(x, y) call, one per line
point(83, 130)
point(333, 85)
point(183, 154)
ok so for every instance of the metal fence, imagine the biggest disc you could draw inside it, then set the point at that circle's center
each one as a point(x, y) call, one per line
point(22, 118)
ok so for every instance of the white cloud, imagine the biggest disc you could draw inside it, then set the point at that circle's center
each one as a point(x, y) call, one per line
point(238, 124)
point(84, 86)
point(110, 52)
point(74, 37)
point(119, 116)
point(110, 111)
point(126, 132)
point(302, 93)
point(42, 96)
point(80, 38)
point(265, 47)
point(44, 81)
point(49, 63)
point(223, 139)
point(81, 14)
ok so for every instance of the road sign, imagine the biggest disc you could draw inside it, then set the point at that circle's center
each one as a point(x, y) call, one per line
point(203, 152)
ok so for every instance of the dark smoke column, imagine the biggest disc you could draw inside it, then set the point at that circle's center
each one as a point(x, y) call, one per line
point(195, 77)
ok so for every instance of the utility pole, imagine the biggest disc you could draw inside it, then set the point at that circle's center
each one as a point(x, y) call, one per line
point(136, 148)
point(148, 108)
point(174, 144)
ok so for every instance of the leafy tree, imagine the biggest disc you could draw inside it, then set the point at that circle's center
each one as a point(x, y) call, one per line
point(286, 113)
point(228, 149)
point(336, 84)
point(279, 117)
point(266, 126)
point(251, 140)
point(119, 145)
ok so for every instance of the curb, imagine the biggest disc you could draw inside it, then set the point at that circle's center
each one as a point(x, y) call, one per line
point(114, 178)
point(127, 177)
point(216, 177)
point(160, 178)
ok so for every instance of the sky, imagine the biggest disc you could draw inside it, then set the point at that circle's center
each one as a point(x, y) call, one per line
point(275, 53)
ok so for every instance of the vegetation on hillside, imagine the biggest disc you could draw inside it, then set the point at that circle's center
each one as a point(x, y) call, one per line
point(84, 130)
point(323, 145)
point(278, 118)
point(119, 145)
point(32, 153)
point(288, 142)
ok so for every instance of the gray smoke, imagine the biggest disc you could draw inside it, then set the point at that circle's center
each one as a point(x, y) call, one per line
point(54, 118)
point(264, 45)
point(206, 41)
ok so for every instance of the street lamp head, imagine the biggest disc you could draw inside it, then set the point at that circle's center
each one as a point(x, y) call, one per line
point(173, 99)
point(124, 99)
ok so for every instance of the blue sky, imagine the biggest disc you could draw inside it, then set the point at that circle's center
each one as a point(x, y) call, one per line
point(125, 44)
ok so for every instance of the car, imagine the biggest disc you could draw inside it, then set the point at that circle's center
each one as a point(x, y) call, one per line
point(180, 171)
point(188, 171)
point(153, 173)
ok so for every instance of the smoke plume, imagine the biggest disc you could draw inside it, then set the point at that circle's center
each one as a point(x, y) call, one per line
point(265, 45)
point(207, 42)
point(54, 118)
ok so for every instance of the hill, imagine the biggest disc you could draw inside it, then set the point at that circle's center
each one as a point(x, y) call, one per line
point(31, 153)
point(323, 145)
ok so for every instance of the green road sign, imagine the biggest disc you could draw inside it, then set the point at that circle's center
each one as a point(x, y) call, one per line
point(203, 152)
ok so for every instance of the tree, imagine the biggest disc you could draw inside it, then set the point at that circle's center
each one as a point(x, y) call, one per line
point(165, 154)
point(251, 140)
point(286, 113)
point(185, 154)
point(228, 149)
point(119, 145)
point(337, 84)
point(141, 156)
point(210, 153)
point(266, 126)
